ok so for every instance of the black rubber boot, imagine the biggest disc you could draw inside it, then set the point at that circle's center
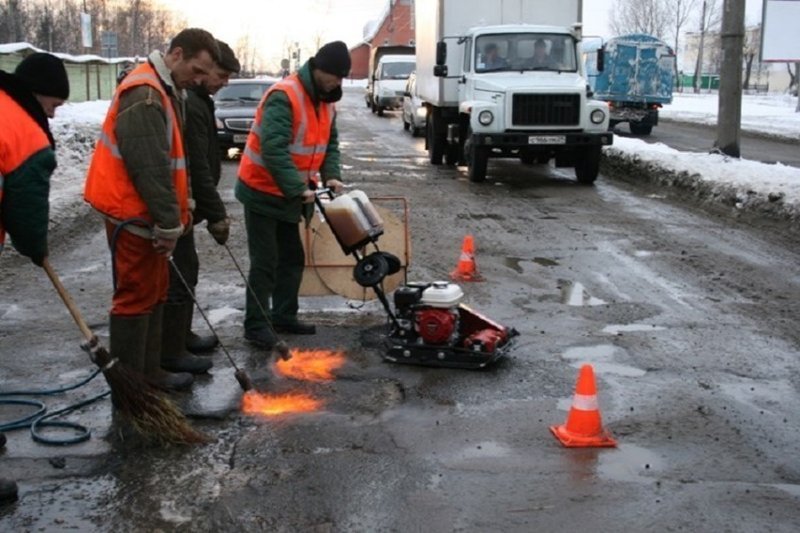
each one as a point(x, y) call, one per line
point(157, 376)
point(128, 335)
point(197, 344)
point(174, 356)
point(263, 338)
point(8, 490)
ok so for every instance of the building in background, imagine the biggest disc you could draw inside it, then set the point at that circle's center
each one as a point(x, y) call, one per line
point(394, 27)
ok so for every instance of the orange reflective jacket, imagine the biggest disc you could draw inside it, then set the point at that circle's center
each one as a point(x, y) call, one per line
point(311, 132)
point(20, 138)
point(108, 187)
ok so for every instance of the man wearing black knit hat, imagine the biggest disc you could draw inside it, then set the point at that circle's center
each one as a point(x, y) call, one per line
point(292, 143)
point(27, 160)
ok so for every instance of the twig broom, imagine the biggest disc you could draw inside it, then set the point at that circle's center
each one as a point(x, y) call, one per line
point(153, 415)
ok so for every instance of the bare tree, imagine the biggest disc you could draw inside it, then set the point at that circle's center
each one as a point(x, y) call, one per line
point(15, 18)
point(752, 44)
point(640, 16)
point(680, 12)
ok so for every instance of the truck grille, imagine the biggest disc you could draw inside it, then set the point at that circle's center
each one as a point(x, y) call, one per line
point(546, 110)
point(239, 124)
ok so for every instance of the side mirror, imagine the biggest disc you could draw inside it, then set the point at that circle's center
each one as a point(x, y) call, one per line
point(441, 53)
point(440, 71)
point(601, 59)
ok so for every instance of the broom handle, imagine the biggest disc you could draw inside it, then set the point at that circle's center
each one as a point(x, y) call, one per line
point(67, 299)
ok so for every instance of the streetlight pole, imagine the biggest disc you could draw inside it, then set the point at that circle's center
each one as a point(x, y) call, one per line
point(729, 116)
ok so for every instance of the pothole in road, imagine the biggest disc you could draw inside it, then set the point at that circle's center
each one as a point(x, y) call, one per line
point(516, 263)
point(616, 329)
point(601, 357)
point(628, 463)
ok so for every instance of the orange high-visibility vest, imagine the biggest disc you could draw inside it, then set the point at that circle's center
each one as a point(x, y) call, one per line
point(20, 138)
point(108, 187)
point(311, 132)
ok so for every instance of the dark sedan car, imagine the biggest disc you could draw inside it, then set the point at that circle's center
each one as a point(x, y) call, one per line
point(235, 110)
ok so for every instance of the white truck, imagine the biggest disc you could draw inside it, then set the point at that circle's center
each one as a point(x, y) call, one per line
point(503, 78)
point(389, 82)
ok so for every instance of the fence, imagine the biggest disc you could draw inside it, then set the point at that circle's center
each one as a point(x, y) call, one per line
point(90, 77)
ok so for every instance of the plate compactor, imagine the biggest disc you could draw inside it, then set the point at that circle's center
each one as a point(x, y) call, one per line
point(428, 324)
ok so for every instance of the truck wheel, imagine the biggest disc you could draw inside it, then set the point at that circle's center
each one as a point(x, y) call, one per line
point(406, 125)
point(373, 107)
point(477, 161)
point(637, 128)
point(587, 167)
point(435, 142)
point(379, 110)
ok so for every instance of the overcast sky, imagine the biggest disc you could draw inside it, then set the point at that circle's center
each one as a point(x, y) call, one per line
point(271, 23)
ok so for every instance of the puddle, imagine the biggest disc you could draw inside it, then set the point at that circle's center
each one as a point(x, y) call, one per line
point(601, 358)
point(642, 253)
point(515, 263)
point(616, 329)
point(591, 354)
point(628, 463)
point(794, 490)
point(575, 294)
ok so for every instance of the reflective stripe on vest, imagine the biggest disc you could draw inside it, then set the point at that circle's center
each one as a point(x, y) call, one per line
point(308, 144)
point(109, 188)
point(20, 138)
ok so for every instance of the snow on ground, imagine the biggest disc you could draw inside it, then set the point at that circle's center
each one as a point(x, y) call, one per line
point(77, 127)
point(769, 114)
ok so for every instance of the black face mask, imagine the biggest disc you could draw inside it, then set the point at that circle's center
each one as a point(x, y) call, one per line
point(329, 97)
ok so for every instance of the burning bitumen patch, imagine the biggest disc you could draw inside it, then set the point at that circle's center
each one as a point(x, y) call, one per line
point(311, 365)
point(279, 404)
point(317, 366)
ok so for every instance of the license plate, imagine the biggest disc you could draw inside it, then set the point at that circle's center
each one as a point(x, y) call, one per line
point(240, 138)
point(547, 139)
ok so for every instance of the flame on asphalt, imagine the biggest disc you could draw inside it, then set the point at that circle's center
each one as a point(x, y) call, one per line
point(311, 365)
point(279, 404)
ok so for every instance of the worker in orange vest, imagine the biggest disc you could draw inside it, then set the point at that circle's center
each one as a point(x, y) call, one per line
point(138, 181)
point(294, 138)
point(28, 97)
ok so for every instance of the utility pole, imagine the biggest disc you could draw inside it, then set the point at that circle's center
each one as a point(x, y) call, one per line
point(698, 69)
point(729, 116)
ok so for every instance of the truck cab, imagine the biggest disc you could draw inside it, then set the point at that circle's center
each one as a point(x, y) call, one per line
point(522, 92)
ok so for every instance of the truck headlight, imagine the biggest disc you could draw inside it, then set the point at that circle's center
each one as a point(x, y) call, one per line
point(485, 117)
point(598, 116)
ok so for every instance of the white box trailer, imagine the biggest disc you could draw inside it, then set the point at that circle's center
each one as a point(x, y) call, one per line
point(527, 111)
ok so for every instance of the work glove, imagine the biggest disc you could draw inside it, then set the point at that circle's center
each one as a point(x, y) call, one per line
point(220, 230)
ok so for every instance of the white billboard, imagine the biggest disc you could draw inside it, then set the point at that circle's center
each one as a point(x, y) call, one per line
point(779, 41)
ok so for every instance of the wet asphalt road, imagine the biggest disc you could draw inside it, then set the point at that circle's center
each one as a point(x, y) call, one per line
point(688, 318)
point(689, 137)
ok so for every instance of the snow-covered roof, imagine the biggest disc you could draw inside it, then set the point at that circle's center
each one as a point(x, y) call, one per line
point(377, 23)
point(16, 48)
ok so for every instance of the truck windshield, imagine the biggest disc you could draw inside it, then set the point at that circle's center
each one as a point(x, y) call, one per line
point(525, 51)
point(397, 71)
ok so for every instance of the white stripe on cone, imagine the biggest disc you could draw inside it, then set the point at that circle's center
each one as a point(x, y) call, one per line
point(584, 402)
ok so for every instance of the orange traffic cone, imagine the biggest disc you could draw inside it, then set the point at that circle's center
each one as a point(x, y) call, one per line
point(466, 270)
point(583, 428)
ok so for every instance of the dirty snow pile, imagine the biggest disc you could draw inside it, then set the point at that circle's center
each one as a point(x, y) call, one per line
point(743, 184)
point(76, 128)
point(768, 114)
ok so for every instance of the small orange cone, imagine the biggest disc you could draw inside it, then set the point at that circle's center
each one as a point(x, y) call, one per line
point(583, 428)
point(466, 270)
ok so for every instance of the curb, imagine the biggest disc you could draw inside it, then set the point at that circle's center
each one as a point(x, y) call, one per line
point(723, 199)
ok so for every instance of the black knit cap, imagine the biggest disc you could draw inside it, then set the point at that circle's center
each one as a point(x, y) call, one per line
point(44, 74)
point(333, 58)
point(227, 59)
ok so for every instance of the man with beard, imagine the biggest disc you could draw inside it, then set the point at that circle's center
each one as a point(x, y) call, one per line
point(204, 170)
point(292, 142)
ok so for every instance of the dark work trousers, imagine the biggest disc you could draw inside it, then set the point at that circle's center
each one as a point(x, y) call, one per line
point(185, 258)
point(276, 269)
